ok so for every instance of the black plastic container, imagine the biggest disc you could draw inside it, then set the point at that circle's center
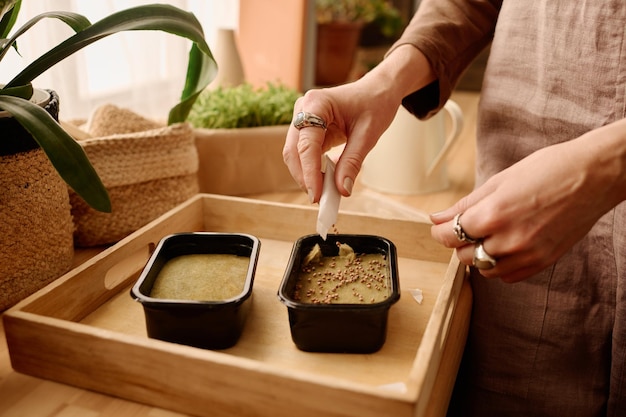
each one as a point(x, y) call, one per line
point(348, 328)
point(204, 324)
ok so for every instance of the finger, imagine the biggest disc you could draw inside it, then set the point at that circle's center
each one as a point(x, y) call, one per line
point(463, 204)
point(508, 268)
point(476, 221)
point(467, 255)
point(304, 147)
point(290, 148)
point(351, 160)
point(291, 157)
point(444, 231)
point(310, 149)
point(449, 213)
point(446, 234)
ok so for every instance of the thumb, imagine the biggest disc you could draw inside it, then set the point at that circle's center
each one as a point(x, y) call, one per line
point(351, 160)
point(347, 168)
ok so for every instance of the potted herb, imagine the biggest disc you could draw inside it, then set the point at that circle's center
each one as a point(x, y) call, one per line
point(240, 132)
point(35, 247)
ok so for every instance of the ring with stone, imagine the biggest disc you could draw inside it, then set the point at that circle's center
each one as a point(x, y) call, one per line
point(305, 119)
point(482, 260)
point(459, 232)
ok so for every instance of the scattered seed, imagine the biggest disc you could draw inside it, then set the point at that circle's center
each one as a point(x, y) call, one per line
point(361, 277)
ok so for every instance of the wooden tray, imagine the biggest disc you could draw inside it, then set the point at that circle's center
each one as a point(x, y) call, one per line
point(85, 330)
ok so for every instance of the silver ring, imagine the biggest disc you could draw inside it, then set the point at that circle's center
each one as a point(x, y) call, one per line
point(459, 232)
point(305, 119)
point(482, 260)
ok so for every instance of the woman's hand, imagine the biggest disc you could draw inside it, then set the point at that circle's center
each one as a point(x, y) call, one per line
point(356, 114)
point(530, 214)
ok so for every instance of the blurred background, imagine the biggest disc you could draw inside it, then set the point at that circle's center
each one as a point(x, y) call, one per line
point(277, 41)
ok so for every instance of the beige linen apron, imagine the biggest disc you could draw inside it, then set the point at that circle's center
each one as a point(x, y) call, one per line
point(555, 344)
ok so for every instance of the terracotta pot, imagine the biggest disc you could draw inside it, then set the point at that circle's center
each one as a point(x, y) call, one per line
point(336, 49)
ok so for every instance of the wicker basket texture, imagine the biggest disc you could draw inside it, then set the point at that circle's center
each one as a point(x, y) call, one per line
point(36, 227)
point(146, 172)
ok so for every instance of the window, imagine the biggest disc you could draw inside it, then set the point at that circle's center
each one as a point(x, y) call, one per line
point(140, 70)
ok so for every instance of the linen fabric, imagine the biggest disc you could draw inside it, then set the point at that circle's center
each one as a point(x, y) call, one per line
point(555, 344)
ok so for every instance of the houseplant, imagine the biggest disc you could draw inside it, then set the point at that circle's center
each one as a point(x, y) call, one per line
point(339, 27)
point(65, 155)
point(244, 106)
point(240, 132)
point(35, 246)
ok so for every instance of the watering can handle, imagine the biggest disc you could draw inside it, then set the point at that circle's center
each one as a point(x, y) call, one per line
point(456, 115)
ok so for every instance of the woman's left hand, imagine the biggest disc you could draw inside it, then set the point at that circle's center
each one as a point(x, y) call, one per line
point(530, 214)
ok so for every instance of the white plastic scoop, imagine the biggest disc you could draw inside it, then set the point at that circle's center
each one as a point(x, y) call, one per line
point(330, 199)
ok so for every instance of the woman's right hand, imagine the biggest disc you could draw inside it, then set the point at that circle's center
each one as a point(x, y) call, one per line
point(356, 114)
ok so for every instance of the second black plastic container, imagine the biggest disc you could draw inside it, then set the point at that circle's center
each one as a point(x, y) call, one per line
point(349, 328)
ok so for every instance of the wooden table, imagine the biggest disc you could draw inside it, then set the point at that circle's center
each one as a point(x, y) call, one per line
point(22, 395)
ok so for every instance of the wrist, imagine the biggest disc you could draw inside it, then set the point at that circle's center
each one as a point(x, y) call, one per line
point(404, 70)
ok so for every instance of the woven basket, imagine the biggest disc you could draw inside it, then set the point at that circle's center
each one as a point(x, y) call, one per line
point(146, 174)
point(36, 228)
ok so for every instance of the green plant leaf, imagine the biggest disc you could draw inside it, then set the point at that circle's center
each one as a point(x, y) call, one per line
point(65, 154)
point(76, 21)
point(8, 16)
point(151, 17)
point(22, 91)
point(201, 71)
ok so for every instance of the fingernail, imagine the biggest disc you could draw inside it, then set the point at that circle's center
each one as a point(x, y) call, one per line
point(311, 195)
point(348, 183)
point(435, 217)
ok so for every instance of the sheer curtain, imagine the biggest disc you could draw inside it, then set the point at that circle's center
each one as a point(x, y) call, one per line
point(140, 70)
